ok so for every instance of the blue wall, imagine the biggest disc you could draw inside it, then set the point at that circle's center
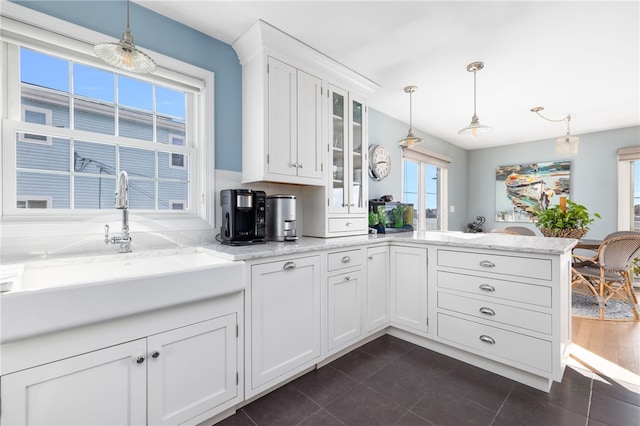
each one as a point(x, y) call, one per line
point(156, 32)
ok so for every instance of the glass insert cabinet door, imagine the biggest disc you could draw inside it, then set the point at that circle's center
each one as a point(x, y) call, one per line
point(348, 151)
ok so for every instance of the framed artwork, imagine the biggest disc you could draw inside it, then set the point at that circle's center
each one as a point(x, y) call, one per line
point(522, 189)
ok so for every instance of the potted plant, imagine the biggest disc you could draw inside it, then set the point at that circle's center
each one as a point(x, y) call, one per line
point(570, 222)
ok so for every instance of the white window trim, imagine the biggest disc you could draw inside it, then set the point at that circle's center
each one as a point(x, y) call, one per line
point(33, 29)
point(22, 137)
point(422, 157)
point(27, 198)
point(625, 197)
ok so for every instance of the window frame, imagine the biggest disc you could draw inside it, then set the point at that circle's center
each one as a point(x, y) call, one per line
point(626, 156)
point(422, 158)
point(30, 29)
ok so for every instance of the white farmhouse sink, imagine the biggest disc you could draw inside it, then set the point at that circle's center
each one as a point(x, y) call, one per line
point(59, 294)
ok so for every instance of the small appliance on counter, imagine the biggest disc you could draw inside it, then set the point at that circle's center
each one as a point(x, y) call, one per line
point(281, 218)
point(243, 216)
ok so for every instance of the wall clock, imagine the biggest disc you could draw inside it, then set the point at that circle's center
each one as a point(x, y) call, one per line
point(379, 162)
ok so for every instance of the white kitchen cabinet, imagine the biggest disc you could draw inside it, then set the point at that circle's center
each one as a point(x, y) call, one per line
point(293, 144)
point(283, 336)
point(340, 208)
point(344, 298)
point(409, 291)
point(167, 378)
point(376, 293)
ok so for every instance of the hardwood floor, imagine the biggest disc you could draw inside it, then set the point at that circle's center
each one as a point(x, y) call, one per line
point(611, 348)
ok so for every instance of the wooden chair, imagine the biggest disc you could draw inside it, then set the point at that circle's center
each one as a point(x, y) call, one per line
point(521, 230)
point(606, 274)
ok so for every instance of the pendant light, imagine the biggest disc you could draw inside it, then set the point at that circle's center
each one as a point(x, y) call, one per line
point(566, 145)
point(411, 139)
point(475, 128)
point(124, 54)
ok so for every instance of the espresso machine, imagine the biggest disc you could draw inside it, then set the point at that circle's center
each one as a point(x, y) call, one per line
point(243, 216)
point(281, 218)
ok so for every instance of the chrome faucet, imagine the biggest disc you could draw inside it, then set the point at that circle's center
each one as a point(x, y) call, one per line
point(122, 203)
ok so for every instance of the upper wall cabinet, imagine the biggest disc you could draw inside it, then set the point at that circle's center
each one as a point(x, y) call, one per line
point(285, 107)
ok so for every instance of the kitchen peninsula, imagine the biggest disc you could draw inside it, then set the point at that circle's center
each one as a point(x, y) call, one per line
point(500, 302)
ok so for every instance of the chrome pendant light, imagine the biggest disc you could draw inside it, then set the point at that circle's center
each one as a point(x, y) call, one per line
point(124, 54)
point(475, 128)
point(566, 145)
point(411, 139)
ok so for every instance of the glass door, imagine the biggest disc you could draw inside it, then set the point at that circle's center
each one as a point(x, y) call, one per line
point(357, 196)
point(339, 198)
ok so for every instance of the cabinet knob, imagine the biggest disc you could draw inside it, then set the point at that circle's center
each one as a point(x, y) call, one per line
point(487, 339)
point(487, 264)
point(155, 354)
point(487, 311)
point(348, 224)
point(289, 265)
point(299, 165)
point(346, 259)
point(140, 359)
point(370, 257)
point(486, 287)
point(347, 278)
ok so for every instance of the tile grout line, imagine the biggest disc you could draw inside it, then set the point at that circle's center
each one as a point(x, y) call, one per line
point(590, 398)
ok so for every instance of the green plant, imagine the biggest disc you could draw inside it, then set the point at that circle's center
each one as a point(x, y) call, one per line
point(575, 216)
point(635, 267)
point(382, 217)
point(398, 216)
point(373, 219)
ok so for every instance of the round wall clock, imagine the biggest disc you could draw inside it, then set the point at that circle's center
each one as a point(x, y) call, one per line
point(379, 162)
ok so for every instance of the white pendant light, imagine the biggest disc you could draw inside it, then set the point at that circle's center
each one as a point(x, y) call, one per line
point(475, 128)
point(411, 139)
point(124, 54)
point(566, 145)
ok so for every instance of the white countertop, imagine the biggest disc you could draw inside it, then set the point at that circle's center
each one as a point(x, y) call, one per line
point(487, 241)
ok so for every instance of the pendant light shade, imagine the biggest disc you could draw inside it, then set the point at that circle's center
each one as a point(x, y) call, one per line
point(124, 54)
point(566, 145)
point(475, 127)
point(411, 139)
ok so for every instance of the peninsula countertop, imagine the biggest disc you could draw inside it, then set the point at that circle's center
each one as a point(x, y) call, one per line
point(486, 241)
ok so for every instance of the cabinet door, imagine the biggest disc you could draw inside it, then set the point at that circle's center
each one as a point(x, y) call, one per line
point(191, 370)
point(339, 107)
point(285, 318)
point(409, 287)
point(282, 143)
point(309, 136)
point(377, 288)
point(344, 309)
point(105, 387)
point(358, 152)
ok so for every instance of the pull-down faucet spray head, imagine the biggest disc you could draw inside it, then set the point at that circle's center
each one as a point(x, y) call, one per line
point(122, 191)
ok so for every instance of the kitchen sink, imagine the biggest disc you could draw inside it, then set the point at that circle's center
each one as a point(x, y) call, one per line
point(53, 295)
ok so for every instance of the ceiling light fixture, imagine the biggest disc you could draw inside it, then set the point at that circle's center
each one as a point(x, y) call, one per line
point(475, 128)
point(411, 139)
point(567, 144)
point(124, 54)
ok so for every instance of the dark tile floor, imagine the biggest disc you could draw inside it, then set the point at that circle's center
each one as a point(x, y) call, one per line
point(392, 382)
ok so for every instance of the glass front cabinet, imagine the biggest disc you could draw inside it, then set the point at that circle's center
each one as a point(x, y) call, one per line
point(347, 184)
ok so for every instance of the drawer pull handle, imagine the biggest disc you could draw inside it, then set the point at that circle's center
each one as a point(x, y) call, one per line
point(140, 359)
point(487, 311)
point(155, 354)
point(289, 265)
point(487, 264)
point(487, 287)
point(487, 339)
point(346, 259)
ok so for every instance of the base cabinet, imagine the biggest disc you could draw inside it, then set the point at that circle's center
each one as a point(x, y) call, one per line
point(409, 287)
point(284, 326)
point(167, 378)
point(376, 293)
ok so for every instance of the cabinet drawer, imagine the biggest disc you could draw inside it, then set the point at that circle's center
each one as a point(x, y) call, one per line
point(523, 318)
point(348, 224)
point(496, 343)
point(344, 259)
point(497, 264)
point(499, 289)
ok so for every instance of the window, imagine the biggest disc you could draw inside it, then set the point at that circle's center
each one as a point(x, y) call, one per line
point(425, 186)
point(629, 189)
point(72, 123)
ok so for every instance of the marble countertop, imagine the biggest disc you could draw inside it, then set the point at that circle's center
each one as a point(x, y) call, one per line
point(487, 241)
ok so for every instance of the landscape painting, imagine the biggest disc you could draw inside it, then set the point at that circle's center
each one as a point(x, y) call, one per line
point(524, 188)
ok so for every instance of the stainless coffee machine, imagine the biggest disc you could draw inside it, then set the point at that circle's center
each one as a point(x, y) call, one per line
point(281, 218)
point(243, 216)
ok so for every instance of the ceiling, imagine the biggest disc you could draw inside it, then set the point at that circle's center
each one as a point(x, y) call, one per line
point(576, 57)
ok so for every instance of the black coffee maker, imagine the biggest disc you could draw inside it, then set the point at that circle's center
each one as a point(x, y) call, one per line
point(243, 216)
